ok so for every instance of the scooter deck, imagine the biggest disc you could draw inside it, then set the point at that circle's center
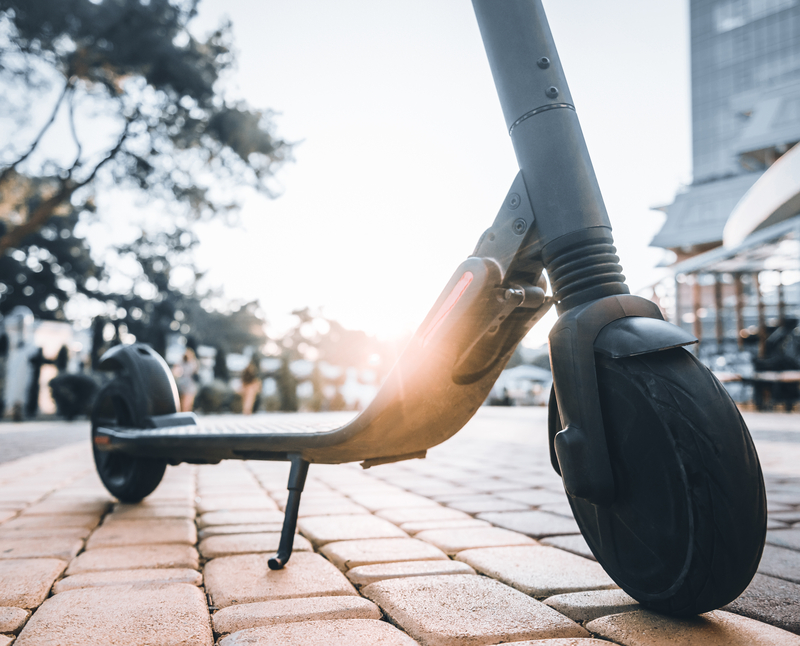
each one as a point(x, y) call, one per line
point(443, 376)
point(227, 436)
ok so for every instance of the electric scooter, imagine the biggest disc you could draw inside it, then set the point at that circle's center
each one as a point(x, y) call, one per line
point(658, 465)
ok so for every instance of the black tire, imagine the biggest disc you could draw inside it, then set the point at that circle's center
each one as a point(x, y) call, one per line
point(686, 530)
point(127, 477)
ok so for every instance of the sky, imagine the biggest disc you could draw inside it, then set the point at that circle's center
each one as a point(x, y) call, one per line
point(402, 158)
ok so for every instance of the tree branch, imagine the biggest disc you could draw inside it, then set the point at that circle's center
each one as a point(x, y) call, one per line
point(8, 169)
point(74, 132)
point(42, 213)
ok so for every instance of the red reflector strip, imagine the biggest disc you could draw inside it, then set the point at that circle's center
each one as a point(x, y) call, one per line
point(447, 307)
point(102, 439)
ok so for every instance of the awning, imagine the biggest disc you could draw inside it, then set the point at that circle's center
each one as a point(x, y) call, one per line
point(775, 248)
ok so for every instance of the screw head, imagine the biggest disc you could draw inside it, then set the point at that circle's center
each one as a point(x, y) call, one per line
point(552, 92)
point(543, 62)
point(519, 226)
point(513, 201)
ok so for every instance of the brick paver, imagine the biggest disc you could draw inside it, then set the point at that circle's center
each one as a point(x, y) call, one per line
point(335, 508)
point(251, 543)
point(283, 611)
point(247, 578)
point(478, 504)
point(229, 503)
point(255, 528)
point(239, 517)
point(55, 507)
point(415, 527)
point(538, 570)
point(350, 554)
point(534, 497)
point(150, 511)
point(321, 530)
point(453, 541)
point(128, 577)
point(401, 515)
point(379, 502)
point(717, 628)
point(135, 557)
point(464, 609)
point(570, 641)
point(532, 522)
point(24, 583)
point(13, 619)
point(786, 537)
point(121, 533)
point(53, 500)
point(45, 532)
point(574, 543)
point(781, 562)
point(773, 600)
point(366, 574)
point(344, 632)
point(49, 521)
point(591, 604)
point(158, 615)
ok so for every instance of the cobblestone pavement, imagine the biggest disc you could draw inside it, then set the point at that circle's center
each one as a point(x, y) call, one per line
point(474, 545)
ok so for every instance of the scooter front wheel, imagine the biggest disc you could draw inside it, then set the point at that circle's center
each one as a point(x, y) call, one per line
point(127, 477)
point(686, 530)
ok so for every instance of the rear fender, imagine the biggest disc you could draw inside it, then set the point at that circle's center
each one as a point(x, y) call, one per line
point(151, 385)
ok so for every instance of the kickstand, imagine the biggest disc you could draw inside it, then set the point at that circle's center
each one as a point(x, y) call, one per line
point(297, 480)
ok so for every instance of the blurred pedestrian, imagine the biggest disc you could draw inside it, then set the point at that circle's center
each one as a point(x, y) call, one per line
point(251, 386)
point(19, 328)
point(187, 378)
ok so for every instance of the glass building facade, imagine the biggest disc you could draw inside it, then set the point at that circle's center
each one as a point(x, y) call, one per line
point(745, 74)
point(741, 300)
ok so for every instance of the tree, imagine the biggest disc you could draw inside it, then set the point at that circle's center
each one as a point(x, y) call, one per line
point(235, 328)
point(134, 102)
point(51, 266)
point(160, 295)
point(148, 303)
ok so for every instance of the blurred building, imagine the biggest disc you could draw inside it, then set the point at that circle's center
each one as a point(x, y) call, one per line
point(734, 233)
point(745, 62)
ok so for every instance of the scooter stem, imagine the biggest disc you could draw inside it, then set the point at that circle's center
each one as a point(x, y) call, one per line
point(571, 218)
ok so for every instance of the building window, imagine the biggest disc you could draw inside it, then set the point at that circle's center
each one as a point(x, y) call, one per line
point(732, 14)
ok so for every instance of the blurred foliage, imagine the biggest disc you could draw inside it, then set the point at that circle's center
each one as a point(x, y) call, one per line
point(229, 331)
point(135, 99)
point(316, 337)
point(102, 95)
point(52, 266)
point(326, 343)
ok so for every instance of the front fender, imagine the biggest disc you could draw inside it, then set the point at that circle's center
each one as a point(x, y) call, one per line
point(627, 337)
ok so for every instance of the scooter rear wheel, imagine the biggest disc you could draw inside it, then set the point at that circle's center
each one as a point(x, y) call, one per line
point(127, 477)
point(686, 530)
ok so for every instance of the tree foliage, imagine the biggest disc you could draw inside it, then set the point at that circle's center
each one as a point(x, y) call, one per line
point(52, 266)
point(154, 305)
point(134, 100)
point(107, 94)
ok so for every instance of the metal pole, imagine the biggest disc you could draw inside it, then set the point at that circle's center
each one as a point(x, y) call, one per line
point(696, 298)
point(719, 329)
point(737, 281)
point(541, 118)
point(762, 322)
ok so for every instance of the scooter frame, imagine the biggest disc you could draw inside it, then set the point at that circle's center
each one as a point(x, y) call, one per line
point(553, 219)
